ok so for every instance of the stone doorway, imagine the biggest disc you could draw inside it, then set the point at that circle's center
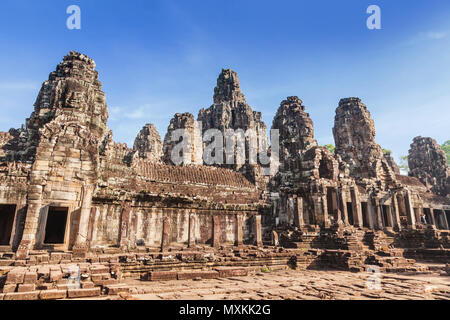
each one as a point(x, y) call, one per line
point(385, 210)
point(55, 227)
point(365, 215)
point(350, 213)
point(440, 219)
point(427, 213)
point(7, 215)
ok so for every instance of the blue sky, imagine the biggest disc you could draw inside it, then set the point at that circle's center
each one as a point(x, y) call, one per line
point(159, 57)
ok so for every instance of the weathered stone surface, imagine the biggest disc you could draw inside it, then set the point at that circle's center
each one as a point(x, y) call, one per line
point(83, 293)
point(231, 111)
point(428, 163)
point(354, 134)
point(391, 162)
point(52, 294)
point(148, 144)
point(184, 125)
point(296, 133)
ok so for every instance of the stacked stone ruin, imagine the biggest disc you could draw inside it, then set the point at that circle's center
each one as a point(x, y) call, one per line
point(70, 196)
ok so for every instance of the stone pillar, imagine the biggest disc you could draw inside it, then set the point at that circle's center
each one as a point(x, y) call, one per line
point(165, 239)
point(335, 203)
point(343, 200)
point(379, 218)
point(371, 214)
point(30, 229)
point(298, 213)
point(356, 207)
point(124, 226)
point(326, 219)
point(81, 244)
point(216, 232)
point(444, 218)
point(191, 241)
point(409, 211)
point(396, 213)
point(257, 230)
point(433, 219)
point(239, 232)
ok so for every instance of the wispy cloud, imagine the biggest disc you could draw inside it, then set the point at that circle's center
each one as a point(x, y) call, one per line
point(427, 36)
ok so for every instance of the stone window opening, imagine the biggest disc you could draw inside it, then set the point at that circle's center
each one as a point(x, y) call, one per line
point(55, 227)
point(427, 213)
point(7, 215)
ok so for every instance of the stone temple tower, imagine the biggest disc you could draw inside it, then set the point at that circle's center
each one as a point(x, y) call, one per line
point(62, 139)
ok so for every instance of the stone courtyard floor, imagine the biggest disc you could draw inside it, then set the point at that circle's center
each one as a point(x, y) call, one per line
point(297, 285)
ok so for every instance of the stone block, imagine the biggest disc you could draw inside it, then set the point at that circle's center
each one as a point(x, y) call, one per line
point(226, 272)
point(26, 287)
point(161, 275)
point(15, 277)
point(116, 289)
point(8, 288)
point(185, 275)
point(83, 293)
point(52, 294)
point(30, 277)
point(22, 296)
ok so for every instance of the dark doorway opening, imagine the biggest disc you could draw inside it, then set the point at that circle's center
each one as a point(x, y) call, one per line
point(350, 213)
point(439, 218)
point(7, 214)
point(55, 228)
point(385, 211)
point(365, 215)
point(427, 213)
point(330, 205)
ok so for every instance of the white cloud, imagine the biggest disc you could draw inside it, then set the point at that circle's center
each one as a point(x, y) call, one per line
point(427, 36)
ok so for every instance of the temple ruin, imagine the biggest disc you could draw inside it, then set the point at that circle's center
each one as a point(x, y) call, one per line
point(70, 196)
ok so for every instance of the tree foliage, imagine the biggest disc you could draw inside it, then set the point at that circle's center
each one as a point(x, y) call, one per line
point(330, 147)
point(403, 165)
point(446, 148)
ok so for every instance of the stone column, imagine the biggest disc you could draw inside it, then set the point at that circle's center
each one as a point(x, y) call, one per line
point(326, 219)
point(433, 219)
point(356, 207)
point(343, 200)
point(335, 202)
point(379, 219)
point(124, 225)
point(371, 214)
point(30, 229)
point(444, 218)
point(81, 244)
point(216, 231)
point(191, 241)
point(239, 232)
point(298, 217)
point(258, 231)
point(396, 213)
point(409, 211)
point(165, 239)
